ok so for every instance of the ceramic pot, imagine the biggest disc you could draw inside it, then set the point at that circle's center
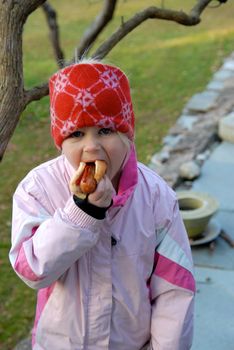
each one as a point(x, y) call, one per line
point(196, 209)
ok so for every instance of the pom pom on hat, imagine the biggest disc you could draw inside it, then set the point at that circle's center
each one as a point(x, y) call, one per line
point(90, 94)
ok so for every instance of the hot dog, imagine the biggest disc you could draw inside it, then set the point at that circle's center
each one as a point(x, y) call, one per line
point(87, 177)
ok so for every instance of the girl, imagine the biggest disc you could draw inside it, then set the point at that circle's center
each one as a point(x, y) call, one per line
point(114, 270)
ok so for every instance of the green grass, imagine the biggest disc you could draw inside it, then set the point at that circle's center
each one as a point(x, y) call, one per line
point(166, 63)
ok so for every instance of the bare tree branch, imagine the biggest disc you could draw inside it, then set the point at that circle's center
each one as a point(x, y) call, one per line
point(199, 8)
point(97, 26)
point(51, 17)
point(36, 93)
point(151, 13)
point(28, 6)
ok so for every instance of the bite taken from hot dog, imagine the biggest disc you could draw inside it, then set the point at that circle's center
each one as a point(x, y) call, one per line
point(87, 177)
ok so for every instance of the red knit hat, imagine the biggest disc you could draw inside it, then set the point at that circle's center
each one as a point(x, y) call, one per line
point(90, 94)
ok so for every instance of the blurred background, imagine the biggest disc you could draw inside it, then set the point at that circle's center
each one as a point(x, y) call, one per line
point(166, 63)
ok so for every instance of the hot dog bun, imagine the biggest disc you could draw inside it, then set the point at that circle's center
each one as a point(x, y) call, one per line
point(86, 178)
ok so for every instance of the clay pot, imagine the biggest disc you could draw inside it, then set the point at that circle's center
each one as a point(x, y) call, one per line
point(196, 209)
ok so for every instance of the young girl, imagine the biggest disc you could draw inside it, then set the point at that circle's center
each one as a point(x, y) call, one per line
point(114, 270)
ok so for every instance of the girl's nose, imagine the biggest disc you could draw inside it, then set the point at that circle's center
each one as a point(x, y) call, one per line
point(91, 145)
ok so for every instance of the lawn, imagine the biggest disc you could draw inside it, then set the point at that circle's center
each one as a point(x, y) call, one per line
point(166, 64)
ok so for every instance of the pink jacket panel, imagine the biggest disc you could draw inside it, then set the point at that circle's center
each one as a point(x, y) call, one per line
point(94, 295)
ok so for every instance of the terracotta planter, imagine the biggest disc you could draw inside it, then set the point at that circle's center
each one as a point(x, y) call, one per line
point(196, 209)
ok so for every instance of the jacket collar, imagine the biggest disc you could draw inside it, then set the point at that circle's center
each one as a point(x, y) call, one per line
point(128, 180)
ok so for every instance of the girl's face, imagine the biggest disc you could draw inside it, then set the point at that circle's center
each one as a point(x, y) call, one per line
point(92, 143)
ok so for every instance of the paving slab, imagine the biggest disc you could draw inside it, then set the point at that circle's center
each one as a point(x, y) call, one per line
point(224, 153)
point(172, 140)
point(222, 254)
point(217, 179)
point(187, 121)
point(216, 85)
point(214, 268)
point(223, 74)
point(229, 64)
point(202, 102)
point(214, 310)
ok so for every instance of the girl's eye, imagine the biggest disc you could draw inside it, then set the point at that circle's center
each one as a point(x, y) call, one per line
point(77, 134)
point(105, 131)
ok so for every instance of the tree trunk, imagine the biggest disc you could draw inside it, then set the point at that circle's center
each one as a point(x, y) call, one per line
point(11, 71)
point(13, 15)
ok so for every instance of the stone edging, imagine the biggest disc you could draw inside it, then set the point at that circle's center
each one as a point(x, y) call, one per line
point(196, 130)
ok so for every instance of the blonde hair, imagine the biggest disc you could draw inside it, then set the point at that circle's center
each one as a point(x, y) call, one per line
point(125, 139)
point(88, 60)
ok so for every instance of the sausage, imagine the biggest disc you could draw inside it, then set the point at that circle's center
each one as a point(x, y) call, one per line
point(88, 184)
point(87, 177)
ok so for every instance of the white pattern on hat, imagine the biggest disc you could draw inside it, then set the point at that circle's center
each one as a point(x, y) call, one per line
point(85, 98)
point(127, 111)
point(67, 128)
point(106, 123)
point(110, 79)
point(61, 82)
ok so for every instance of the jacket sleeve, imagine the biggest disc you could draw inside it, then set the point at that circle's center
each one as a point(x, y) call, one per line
point(46, 243)
point(172, 284)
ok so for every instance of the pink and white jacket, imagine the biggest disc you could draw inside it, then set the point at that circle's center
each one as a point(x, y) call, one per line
point(94, 295)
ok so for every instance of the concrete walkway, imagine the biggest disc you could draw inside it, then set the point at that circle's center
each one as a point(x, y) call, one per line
point(192, 138)
point(214, 263)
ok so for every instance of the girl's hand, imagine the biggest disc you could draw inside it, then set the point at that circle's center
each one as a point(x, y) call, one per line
point(103, 194)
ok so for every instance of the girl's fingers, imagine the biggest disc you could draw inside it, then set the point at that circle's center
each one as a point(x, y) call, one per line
point(102, 197)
